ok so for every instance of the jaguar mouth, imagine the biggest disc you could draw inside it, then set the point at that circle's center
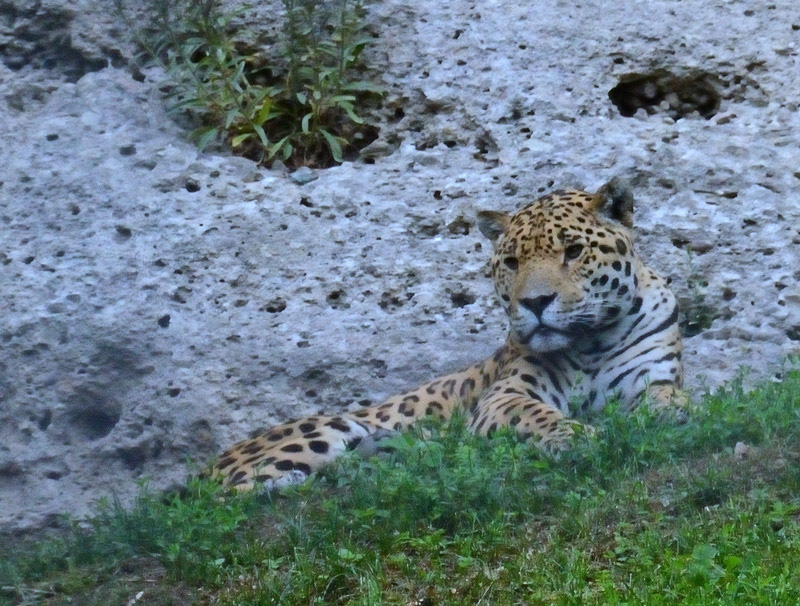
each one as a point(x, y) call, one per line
point(543, 331)
point(548, 336)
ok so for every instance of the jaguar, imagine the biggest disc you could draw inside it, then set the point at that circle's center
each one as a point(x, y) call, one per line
point(588, 321)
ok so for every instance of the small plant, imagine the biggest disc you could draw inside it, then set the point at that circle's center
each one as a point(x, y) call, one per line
point(699, 315)
point(292, 100)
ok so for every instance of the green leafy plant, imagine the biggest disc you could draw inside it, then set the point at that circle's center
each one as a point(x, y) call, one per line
point(292, 99)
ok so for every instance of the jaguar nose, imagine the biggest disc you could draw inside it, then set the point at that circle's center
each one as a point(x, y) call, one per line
point(537, 304)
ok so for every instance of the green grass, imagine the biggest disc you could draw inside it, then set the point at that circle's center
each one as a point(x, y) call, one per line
point(643, 513)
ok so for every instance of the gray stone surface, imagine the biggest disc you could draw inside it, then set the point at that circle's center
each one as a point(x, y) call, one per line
point(159, 303)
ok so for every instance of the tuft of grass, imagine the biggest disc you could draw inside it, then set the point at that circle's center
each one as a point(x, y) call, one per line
point(293, 98)
point(642, 513)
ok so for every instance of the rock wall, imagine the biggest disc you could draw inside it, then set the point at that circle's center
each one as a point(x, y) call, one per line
point(159, 303)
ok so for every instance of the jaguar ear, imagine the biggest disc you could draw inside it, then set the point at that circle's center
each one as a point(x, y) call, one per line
point(615, 201)
point(493, 224)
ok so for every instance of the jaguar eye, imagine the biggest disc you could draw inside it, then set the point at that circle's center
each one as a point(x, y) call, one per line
point(512, 263)
point(573, 251)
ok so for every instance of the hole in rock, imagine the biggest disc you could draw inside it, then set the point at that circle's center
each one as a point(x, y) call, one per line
point(94, 424)
point(192, 186)
point(275, 306)
point(664, 91)
point(133, 458)
point(461, 299)
point(44, 421)
point(336, 299)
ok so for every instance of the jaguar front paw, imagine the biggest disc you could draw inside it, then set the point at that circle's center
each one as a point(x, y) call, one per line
point(564, 435)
